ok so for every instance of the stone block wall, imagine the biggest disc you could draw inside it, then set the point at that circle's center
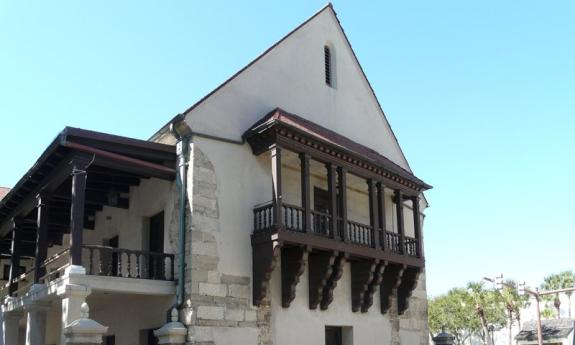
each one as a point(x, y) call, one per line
point(215, 301)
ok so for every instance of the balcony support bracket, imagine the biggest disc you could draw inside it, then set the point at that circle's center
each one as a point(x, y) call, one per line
point(337, 272)
point(265, 256)
point(408, 284)
point(292, 267)
point(389, 283)
point(320, 270)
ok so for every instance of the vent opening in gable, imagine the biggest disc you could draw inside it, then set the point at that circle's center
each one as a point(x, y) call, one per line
point(328, 65)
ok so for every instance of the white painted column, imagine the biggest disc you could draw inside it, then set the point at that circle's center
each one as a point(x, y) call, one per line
point(36, 323)
point(10, 327)
point(73, 296)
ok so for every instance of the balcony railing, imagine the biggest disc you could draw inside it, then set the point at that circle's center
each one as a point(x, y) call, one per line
point(128, 263)
point(357, 233)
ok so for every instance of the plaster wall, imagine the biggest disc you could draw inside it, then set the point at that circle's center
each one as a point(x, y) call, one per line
point(291, 76)
point(243, 181)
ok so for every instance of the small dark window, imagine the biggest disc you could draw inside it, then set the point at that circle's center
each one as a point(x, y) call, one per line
point(327, 62)
point(333, 335)
point(110, 340)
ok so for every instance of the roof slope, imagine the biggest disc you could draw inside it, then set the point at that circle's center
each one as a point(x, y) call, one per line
point(295, 43)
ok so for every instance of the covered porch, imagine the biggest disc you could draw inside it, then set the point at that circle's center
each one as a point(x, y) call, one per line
point(83, 207)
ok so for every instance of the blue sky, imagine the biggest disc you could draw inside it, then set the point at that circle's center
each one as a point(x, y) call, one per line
point(481, 96)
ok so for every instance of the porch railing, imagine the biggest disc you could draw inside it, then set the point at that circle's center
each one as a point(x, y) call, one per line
point(128, 263)
point(357, 233)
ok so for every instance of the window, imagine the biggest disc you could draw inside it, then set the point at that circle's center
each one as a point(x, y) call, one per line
point(337, 335)
point(109, 340)
point(328, 66)
point(6, 272)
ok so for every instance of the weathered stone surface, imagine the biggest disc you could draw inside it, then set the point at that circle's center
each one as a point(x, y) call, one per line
point(235, 314)
point(239, 291)
point(210, 289)
point(210, 313)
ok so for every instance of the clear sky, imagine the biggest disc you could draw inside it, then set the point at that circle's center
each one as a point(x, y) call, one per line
point(481, 96)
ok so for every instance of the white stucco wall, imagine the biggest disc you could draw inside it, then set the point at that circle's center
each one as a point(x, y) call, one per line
point(291, 76)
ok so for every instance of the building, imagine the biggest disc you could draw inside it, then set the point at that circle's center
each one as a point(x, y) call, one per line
point(553, 332)
point(283, 192)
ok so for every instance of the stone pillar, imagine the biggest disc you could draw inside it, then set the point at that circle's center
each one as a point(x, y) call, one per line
point(10, 326)
point(172, 333)
point(36, 323)
point(73, 297)
point(84, 331)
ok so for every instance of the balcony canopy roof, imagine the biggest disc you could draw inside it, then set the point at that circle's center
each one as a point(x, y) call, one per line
point(116, 163)
point(282, 127)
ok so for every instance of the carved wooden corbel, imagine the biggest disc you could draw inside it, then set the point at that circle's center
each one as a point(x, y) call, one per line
point(361, 276)
point(337, 272)
point(390, 281)
point(320, 270)
point(408, 284)
point(292, 265)
point(375, 282)
point(264, 256)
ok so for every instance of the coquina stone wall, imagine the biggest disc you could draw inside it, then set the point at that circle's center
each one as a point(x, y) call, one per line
point(214, 301)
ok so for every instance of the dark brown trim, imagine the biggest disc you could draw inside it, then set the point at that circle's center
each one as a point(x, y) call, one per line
point(292, 267)
point(78, 199)
point(41, 237)
point(276, 160)
point(342, 185)
point(305, 191)
point(400, 220)
point(373, 213)
point(332, 190)
point(328, 244)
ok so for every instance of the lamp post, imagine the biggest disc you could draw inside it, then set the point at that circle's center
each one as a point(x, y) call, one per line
point(523, 290)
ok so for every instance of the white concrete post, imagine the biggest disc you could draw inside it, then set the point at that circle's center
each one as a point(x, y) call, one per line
point(36, 323)
point(10, 327)
point(84, 331)
point(172, 333)
point(73, 296)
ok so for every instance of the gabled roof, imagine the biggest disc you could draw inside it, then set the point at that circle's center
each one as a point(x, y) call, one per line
point(327, 136)
point(329, 7)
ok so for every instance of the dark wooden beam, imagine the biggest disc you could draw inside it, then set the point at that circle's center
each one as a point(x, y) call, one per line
point(405, 289)
point(332, 190)
point(320, 269)
point(276, 159)
point(305, 191)
point(381, 214)
point(372, 286)
point(417, 226)
point(264, 260)
point(373, 213)
point(79, 176)
point(15, 252)
point(292, 267)
point(336, 274)
point(342, 186)
point(362, 274)
point(390, 281)
point(41, 237)
point(400, 221)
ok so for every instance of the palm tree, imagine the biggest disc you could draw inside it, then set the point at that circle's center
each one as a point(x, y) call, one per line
point(562, 280)
point(514, 303)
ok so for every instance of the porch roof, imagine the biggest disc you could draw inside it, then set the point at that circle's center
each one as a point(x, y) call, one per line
point(279, 117)
point(110, 155)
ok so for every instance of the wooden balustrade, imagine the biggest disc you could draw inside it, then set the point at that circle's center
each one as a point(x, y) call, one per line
point(128, 263)
point(357, 233)
point(320, 223)
point(263, 218)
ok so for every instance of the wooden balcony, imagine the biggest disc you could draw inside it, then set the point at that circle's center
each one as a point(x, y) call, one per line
point(380, 259)
point(353, 233)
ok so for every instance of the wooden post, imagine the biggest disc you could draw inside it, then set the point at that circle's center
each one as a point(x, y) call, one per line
point(41, 237)
point(78, 197)
point(381, 208)
point(342, 186)
point(417, 225)
point(332, 190)
point(373, 213)
point(276, 157)
point(400, 224)
point(305, 191)
point(14, 258)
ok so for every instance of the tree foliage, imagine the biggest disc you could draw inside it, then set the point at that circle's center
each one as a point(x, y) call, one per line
point(556, 281)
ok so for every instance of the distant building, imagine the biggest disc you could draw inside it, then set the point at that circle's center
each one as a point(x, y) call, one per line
point(554, 332)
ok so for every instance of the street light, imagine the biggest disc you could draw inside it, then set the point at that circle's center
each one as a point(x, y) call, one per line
point(523, 290)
